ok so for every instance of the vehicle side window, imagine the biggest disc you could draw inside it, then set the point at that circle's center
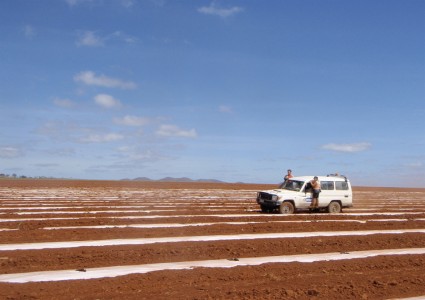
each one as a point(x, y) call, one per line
point(327, 185)
point(341, 185)
point(307, 188)
point(297, 185)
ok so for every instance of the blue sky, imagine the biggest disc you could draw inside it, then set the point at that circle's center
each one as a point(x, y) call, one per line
point(231, 90)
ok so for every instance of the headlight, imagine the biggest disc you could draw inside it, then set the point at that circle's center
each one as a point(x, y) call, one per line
point(275, 197)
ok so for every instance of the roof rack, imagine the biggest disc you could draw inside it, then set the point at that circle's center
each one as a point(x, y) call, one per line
point(337, 175)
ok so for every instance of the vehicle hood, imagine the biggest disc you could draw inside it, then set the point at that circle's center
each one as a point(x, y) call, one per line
point(279, 192)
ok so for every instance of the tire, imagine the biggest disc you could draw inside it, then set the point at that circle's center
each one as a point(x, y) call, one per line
point(287, 208)
point(334, 207)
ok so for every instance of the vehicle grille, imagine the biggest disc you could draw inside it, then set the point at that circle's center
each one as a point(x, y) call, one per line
point(265, 196)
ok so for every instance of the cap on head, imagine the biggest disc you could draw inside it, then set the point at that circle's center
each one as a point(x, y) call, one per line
point(315, 177)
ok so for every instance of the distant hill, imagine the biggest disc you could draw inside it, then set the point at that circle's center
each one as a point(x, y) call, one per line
point(140, 179)
point(173, 179)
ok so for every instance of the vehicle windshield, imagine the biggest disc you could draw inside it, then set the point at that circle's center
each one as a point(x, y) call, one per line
point(292, 185)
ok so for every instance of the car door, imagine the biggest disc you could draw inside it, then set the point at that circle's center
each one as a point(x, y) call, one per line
point(328, 193)
point(305, 196)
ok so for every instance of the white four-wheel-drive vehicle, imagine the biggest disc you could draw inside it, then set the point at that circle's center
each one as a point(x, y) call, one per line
point(296, 194)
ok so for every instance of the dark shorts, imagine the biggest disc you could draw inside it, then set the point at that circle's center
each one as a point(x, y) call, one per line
point(316, 193)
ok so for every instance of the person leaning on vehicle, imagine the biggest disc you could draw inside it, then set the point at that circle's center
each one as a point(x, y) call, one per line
point(315, 185)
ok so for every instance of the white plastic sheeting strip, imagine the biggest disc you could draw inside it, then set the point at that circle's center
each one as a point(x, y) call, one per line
point(410, 298)
point(8, 229)
point(179, 225)
point(115, 271)
point(343, 215)
point(174, 225)
point(41, 219)
point(171, 205)
point(205, 238)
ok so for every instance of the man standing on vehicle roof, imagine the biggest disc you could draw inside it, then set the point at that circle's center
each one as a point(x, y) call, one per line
point(315, 185)
point(289, 175)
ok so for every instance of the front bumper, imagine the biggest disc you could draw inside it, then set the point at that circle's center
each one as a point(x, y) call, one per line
point(266, 199)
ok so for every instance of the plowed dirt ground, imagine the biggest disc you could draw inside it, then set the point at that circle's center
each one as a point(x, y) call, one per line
point(157, 240)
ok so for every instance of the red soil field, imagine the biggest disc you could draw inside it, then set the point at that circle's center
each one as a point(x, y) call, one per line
point(149, 223)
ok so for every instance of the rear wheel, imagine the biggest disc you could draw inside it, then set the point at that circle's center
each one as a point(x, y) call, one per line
point(286, 208)
point(334, 207)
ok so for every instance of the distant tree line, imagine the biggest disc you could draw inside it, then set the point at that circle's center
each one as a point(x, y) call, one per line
point(14, 176)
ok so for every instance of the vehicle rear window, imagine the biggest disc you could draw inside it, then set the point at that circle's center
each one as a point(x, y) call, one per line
point(341, 185)
point(327, 185)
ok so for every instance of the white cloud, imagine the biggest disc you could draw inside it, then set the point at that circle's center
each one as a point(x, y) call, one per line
point(127, 3)
point(29, 32)
point(90, 78)
point(213, 9)
point(356, 147)
point(106, 101)
point(74, 132)
point(415, 165)
point(137, 155)
point(102, 138)
point(121, 36)
point(132, 121)
point(225, 109)
point(10, 152)
point(174, 131)
point(71, 2)
point(77, 2)
point(65, 103)
point(90, 39)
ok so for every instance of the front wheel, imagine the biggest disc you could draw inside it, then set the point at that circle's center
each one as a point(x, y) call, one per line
point(334, 207)
point(286, 208)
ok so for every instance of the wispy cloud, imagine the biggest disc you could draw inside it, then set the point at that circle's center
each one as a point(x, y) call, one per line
point(121, 36)
point(127, 3)
point(76, 2)
point(102, 138)
point(29, 32)
point(214, 10)
point(10, 152)
point(124, 3)
point(64, 103)
point(106, 101)
point(225, 109)
point(132, 121)
point(90, 78)
point(415, 165)
point(135, 154)
point(46, 165)
point(77, 133)
point(89, 39)
point(166, 130)
point(92, 39)
point(356, 147)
